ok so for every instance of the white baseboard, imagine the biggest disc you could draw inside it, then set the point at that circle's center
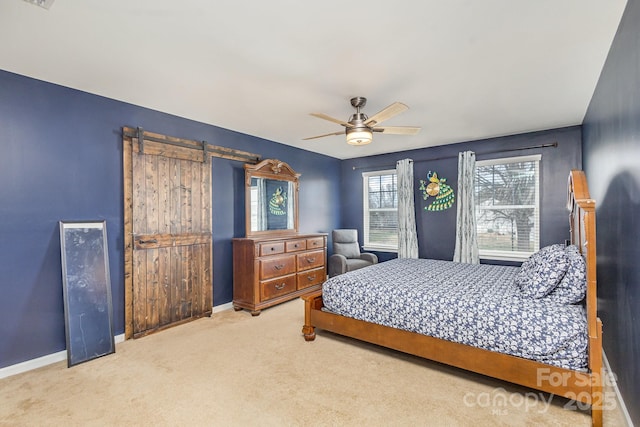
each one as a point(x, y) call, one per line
point(614, 383)
point(60, 356)
point(222, 307)
point(28, 365)
point(39, 362)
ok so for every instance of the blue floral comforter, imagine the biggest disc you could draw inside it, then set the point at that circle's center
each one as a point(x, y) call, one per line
point(476, 305)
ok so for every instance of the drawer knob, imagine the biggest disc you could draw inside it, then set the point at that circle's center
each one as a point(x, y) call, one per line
point(311, 278)
point(310, 260)
point(280, 286)
point(279, 266)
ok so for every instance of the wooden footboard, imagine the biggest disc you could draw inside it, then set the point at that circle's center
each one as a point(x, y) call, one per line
point(583, 387)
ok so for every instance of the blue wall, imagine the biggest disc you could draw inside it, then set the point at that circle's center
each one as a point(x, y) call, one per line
point(437, 230)
point(61, 159)
point(611, 150)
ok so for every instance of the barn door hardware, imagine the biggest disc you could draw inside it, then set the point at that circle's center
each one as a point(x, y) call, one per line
point(208, 150)
point(140, 136)
point(143, 242)
point(205, 152)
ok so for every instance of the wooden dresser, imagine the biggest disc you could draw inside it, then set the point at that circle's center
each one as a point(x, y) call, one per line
point(271, 270)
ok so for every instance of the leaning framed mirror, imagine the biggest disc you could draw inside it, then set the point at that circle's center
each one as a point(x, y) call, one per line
point(271, 198)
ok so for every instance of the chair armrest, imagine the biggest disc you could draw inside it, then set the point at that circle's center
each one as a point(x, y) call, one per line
point(337, 264)
point(372, 258)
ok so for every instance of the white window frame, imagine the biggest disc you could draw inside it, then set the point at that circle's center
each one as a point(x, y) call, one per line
point(365, 207)
point(515, 255)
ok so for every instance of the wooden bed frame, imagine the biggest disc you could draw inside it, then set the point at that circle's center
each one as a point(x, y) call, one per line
point(584, 387)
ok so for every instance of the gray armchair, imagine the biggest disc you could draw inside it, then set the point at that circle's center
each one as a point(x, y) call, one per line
point(346, 253)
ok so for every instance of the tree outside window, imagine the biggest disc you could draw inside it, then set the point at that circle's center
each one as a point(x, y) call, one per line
point(380, 210)
point(507, 207)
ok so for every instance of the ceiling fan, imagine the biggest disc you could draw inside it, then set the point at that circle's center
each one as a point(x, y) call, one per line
point(359, 129)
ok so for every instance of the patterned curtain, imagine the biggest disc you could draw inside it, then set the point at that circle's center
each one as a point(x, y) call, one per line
point(407, 235)
point(466, 249)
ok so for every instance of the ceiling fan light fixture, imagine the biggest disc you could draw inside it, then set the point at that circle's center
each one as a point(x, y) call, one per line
point(360, 128)
point(359, 136)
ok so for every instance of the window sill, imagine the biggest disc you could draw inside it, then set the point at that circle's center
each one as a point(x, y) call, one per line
point(379, 249)
point(503, 258)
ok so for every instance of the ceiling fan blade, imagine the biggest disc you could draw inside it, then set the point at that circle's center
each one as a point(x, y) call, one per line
point(331, 119)
point(387, 113)
point(322, 136)
point(398, 130)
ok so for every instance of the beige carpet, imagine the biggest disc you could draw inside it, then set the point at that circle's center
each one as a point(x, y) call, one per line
point(234, 369)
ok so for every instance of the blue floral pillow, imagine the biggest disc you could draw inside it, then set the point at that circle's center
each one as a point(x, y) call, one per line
point(542, 271)
point(573, 286)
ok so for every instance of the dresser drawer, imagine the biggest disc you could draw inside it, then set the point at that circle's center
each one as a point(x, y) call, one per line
point(316, 242)
point(311, 277)
point(277, 266)
point(309, 260)
point(274, 268)
point(271, 248)
point(296, 245)
point(276, 287)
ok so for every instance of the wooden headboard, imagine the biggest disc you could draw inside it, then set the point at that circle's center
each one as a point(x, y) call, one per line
point(582, 221)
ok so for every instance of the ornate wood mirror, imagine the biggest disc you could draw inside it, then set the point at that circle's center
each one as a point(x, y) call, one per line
point(271, 198)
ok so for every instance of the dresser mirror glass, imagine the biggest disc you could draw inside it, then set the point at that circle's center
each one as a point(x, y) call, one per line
point(271, 198)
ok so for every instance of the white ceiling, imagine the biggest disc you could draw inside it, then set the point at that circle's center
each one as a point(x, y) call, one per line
point(468, 69)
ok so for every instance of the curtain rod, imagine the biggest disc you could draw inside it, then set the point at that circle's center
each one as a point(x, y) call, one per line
point(553, 144)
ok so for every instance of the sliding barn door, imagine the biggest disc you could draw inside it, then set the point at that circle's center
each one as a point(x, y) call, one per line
point(168, 242)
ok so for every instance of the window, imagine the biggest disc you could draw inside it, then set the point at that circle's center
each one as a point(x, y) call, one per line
point(380, 210)
point(507, 207)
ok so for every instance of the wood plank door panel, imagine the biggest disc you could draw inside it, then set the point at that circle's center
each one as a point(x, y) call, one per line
point(168, 248)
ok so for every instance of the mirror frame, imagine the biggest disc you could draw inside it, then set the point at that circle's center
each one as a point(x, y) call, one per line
point(86, 289)
point(270, 169)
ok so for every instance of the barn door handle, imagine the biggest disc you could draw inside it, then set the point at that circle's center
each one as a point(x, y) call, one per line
point(142, 242)
point(280, 286)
